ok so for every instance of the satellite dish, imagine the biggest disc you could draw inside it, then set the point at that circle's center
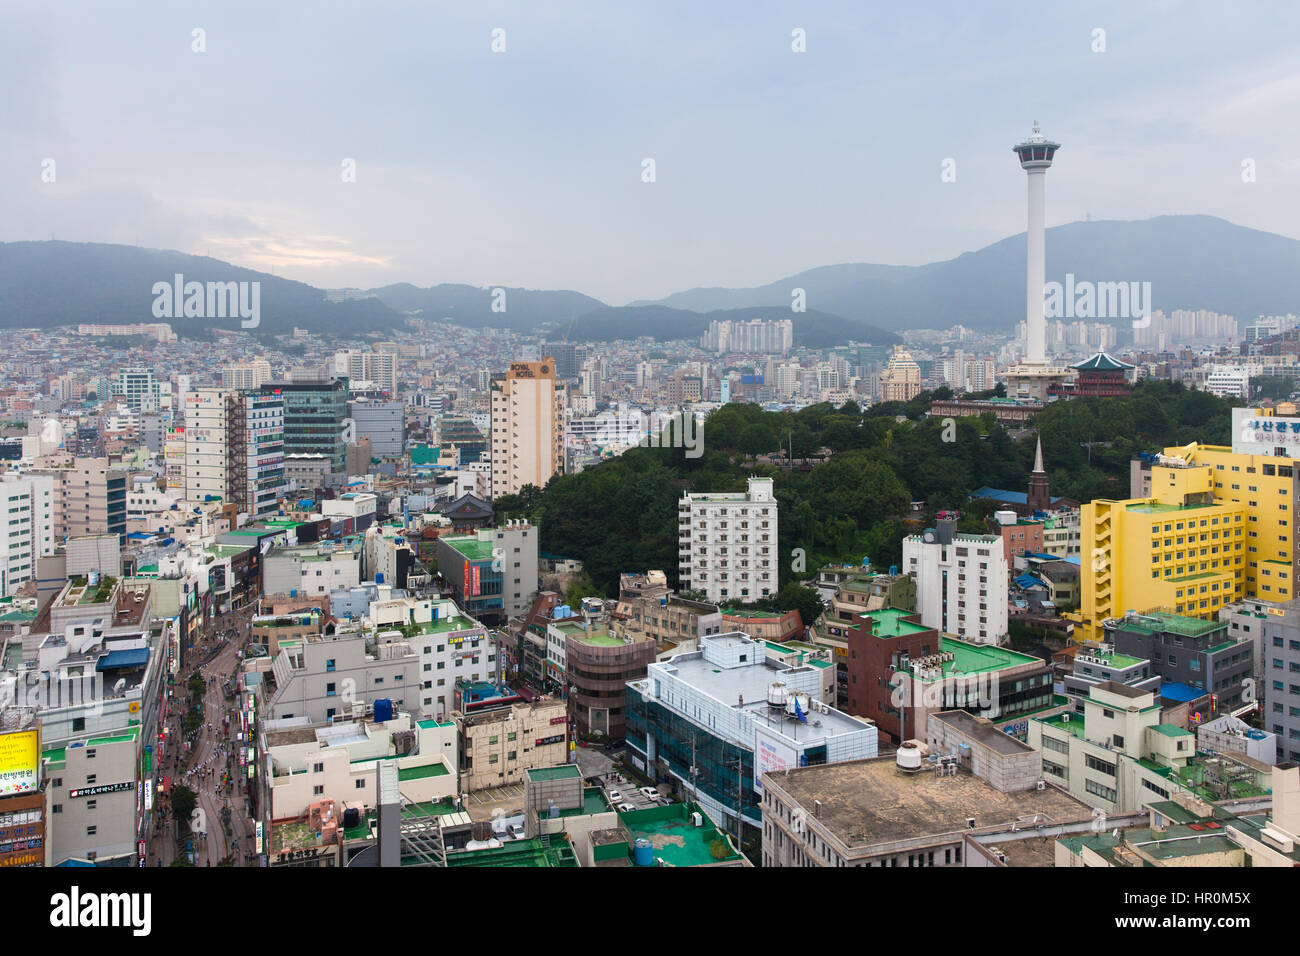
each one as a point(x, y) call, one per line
point(929, 537)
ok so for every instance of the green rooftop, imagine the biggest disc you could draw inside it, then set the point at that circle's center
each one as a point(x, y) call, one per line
point(1156, 507)
point(529, 853)
point(1121, 661)
point(563, 772)
point(977, 658)
point(890, 623)
point(1074, 725)
point(1173, 623)
point(421, 773)
point(674, 837)
point(1169, 730)
point(472, 549)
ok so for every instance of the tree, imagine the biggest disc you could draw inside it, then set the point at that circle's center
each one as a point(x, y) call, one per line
point(184, 800)
point(796, 597)
point(757, 439)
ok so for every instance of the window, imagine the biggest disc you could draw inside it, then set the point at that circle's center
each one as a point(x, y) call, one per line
point(360, 785)
point(92, 830)
point(317, 791)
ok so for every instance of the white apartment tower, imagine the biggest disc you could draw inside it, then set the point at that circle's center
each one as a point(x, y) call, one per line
point(27, 526)
point(961, 582)
point(527, 434)
point(727, 544)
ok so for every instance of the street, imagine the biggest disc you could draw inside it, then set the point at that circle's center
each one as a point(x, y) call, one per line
point(211, 769)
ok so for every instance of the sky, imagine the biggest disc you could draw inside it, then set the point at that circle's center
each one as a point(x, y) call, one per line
point(526, 167)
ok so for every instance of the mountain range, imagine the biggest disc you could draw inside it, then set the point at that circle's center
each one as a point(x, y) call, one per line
point(1192, 262)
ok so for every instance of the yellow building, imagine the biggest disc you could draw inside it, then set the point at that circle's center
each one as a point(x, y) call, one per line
point(901, 379)
point(1265, 486)
point(1181, 550)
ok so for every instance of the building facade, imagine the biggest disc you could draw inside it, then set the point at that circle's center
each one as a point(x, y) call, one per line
point(727, 543)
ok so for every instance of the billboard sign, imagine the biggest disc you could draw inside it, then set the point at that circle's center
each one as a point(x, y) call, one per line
point(20, 761)
point(771, 755)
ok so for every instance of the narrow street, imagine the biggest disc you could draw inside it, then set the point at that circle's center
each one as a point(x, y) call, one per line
point(211, 769)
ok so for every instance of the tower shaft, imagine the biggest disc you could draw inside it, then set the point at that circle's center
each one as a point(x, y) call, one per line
point(1036, 272)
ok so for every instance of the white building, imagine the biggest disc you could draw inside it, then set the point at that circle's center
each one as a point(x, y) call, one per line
point(727, 544)
point(354, 504)
point(961, 582)
point(730, 695)
point(27, 524)
point(1228, 381)
point(449, 646)
point(246, 375)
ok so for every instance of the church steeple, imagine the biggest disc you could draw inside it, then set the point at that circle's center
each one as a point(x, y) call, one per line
point(1039, 498)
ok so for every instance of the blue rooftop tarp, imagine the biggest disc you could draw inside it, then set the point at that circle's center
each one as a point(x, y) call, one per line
point(129, 658)
point(1181, 693)
point(1028, 581)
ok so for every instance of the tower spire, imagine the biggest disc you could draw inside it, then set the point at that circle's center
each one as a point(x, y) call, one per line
point(1038, 458)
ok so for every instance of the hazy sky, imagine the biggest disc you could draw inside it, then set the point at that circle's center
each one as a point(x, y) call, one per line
point(524, 168)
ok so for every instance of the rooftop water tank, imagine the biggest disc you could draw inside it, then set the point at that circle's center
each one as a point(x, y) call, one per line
point(383, 710)
point(351, 817)
point(643, 854)
point(909, 757)
point(776, 694)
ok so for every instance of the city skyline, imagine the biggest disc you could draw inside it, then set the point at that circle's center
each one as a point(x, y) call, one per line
point(767, 161)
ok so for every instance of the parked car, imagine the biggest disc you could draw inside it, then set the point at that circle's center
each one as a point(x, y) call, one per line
point(650, 792)
point(615, 796)
point(517, 831)
point(625, 808)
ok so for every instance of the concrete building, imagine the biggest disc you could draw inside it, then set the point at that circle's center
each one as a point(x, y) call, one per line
point(714, 721)
point(597, 668)
point(494, 570)
point(27, 523)
point(92, 670)
point(89, 498)
point(668, 619)
point(246, 375)
point(1201, 654)
point(451, 647)
point(499, 745)
point(727, 543)
point(961, 582)
point(313, 570)
point(384, 423)
point(306, 763)
point(899, 671)
point(234, 449)
point(1183, 550)
point(336, 675)
point(965, 794)
point(1099, 664)
point(1119, 756)
point(527, 434)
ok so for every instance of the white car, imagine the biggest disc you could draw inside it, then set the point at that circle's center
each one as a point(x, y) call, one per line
point(615, 796)
point(650, 792)
point(625, 808)
point(516, 831)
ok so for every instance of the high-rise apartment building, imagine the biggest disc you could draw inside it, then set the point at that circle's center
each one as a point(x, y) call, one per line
point(234, 448)
point(727, 545)
point(527, 440)
point(765, 336)
point(246, 375)
point(378, 367)
point(961, 582)
point(26, 527)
